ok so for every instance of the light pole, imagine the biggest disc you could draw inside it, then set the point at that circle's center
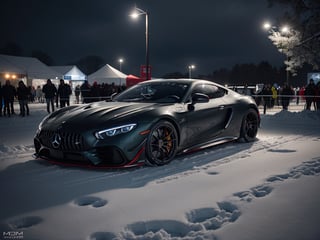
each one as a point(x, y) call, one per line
point(120, 63)
point(137, 12)
point(273, 30)
point(190, 69)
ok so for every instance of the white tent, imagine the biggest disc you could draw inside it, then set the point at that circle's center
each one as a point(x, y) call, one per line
point(71, 72)
point(30, 67)
point(109, 75)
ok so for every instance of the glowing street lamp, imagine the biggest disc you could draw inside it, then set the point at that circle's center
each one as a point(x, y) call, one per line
point(285, 30)
point(120, 63)
point(190, 69)
point(267, 26)
point(135, 14)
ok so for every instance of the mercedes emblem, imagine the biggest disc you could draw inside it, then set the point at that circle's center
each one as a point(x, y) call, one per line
point(56, 140)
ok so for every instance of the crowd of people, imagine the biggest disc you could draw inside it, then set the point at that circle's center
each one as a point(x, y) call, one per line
point(55, 97)
point(282, 96)
point(24, 95)
point(96, 92)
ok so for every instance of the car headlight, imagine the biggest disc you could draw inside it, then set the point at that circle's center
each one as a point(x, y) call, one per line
point(110, 132)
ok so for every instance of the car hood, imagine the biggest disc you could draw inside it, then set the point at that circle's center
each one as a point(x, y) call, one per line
point(95, 115)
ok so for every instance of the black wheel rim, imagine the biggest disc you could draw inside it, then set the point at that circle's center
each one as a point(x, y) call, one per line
point(251, 125)
point(163, 144)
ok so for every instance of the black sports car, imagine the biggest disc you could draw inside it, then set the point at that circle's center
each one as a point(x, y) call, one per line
point(150, 123)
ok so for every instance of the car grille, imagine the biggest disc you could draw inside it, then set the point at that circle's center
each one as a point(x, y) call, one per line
point(68, 141)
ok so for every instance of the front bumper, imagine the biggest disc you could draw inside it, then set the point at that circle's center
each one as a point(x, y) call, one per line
point(74, 150)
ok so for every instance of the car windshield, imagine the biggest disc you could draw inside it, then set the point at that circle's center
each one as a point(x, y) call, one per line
point(158, 92)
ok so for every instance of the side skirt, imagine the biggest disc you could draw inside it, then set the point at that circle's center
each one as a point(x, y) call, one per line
point(217, 141)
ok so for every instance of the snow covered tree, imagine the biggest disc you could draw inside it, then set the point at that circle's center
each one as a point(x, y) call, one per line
point(300, 43)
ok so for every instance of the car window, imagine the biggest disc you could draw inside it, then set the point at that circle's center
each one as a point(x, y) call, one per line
point(160, 92)
point(210, 90)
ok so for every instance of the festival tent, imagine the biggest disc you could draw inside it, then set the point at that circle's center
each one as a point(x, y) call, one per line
point(132, 80)
point(71, 73)
point(27, 68)
point(109, 75)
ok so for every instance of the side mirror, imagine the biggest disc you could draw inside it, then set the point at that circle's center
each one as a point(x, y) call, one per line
point(113, 95)
point(197, 98)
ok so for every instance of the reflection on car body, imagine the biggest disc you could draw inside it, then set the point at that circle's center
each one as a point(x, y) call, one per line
point(149, 123)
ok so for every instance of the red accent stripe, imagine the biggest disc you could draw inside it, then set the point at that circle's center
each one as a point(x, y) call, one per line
point(136, 158)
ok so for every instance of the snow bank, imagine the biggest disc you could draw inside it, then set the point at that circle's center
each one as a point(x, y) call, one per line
point(262, 190)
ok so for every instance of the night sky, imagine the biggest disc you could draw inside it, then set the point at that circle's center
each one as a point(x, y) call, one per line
point(207, 33)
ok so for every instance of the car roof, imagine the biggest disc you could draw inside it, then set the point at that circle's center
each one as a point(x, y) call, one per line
point(187, 81)
point(180, 80)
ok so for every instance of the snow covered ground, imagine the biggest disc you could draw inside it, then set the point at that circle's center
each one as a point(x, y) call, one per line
point(268, 189)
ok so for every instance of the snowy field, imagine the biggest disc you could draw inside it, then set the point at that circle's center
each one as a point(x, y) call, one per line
point(266, 190)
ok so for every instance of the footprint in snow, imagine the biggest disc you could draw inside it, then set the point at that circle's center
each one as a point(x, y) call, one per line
point(282, 150)
point(161, 228)
point(212, 173)
point(25, 222)
point(308, 168)
point(255, 192)
point(199, 223)
point(214, 218)
point(102, 236)
point(90, 200)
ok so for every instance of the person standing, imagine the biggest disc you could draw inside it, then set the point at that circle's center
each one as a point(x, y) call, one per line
point(286, 96)
point(39, 94)
point(23, 94)
point(266, 96)
point(77, 93)
point(50, 92)
point(8, 92)
point(64, 92)
point(274, 95)
point(309, 93)
point(95, 92)
point(85, 92)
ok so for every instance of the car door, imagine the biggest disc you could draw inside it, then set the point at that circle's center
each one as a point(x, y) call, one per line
point(206, 120)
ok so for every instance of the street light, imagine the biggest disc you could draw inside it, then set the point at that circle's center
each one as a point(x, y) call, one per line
point(267, 26)
point(120, 63)
point(190, 69)
point(275, 31)
point(135, 14)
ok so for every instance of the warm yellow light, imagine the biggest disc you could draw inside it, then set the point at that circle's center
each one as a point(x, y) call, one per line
point(13, 76)
point(7, 76)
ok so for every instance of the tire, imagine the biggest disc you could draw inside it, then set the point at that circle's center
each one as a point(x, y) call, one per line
point(162, 142)
point(250, 125)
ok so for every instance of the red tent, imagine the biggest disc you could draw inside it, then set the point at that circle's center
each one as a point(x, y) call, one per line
point(132, 80)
